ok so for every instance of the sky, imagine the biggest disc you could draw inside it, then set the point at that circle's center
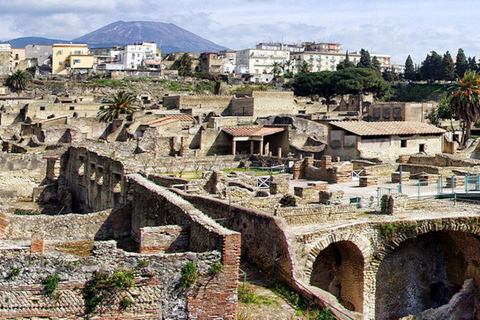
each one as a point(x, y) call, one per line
point(398, 28)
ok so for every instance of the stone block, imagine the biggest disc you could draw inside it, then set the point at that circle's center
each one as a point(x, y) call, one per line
point(428, 179)
point(367, 181)
point(396, 176)
point(163, 239)
point(305, 192)
point(38, 243)
point(455, 181)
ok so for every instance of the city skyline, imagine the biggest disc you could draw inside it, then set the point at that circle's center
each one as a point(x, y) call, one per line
point(397, 29)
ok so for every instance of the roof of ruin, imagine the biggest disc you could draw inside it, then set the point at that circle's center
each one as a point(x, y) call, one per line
point(387, 128)
point(252, 131)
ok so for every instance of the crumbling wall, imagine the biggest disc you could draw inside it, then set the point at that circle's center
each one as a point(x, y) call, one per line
point(156, 293)
point(96, 182)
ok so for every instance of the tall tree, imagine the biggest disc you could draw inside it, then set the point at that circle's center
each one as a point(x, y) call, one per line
point(311, 83)
point(448, 67)
point(120, 103)
point(276, 69)
point(345, 63)
point(465, 101)
point(472, 64)
point(365, 60)
point(183, 65)
point(461, 65)
point(376, 65)
point(305, 67)
point(410, 73)
point(431, 68)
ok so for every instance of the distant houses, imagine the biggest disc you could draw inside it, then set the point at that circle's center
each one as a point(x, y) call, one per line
point(261, 64)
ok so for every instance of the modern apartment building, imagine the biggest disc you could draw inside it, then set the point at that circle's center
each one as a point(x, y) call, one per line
point(67, 58)
point(259, 62)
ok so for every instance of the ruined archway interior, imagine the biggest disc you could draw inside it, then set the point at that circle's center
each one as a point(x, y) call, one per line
point(425, 273)
point(338, 269)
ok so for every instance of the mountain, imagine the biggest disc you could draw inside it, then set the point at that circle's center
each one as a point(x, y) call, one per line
point(169, 37)
point(20, 43)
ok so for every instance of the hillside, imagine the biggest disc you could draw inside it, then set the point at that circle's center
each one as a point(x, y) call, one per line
point(20, 43)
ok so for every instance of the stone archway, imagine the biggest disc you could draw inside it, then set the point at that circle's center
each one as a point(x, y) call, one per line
point(338, 269)
point(425, 272)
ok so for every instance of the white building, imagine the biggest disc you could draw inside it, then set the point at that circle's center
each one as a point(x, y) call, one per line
point(229, 61)
point(259, 62)
point(321, 61)
point(139, 55)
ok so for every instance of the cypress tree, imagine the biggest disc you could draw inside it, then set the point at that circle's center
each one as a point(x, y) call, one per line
point(448, 67)
point(461, 65)
point(410, 73)
point(365, 60)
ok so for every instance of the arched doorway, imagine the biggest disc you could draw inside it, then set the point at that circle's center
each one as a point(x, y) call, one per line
point(425, 272)
point(338, 269)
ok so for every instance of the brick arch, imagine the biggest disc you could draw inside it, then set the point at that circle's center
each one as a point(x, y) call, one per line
point(424, 228)
point(362, 244)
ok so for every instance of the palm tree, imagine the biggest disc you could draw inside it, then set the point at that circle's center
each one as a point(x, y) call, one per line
point(276, 69)
point(18, 80)
point(120, 103)
point(465, 101)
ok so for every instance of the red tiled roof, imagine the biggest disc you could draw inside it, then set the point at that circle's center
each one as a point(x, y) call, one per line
point(181, 117)
point(252, 131)
point(159, 122)
point(387, 128)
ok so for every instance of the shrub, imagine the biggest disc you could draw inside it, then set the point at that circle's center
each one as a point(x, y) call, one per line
point(125, 303)
point(216, 268)
point(14, 272)
point(142, 264)
point(189, 275)
point(50, 284)
point(246, 294)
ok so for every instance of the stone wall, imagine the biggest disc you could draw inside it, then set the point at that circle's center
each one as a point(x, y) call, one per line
point(20, 174)
point(154, 206)
point(264, 239)
point(156, 293)
point(96, 182)
point(311, 214)
point(200, 105)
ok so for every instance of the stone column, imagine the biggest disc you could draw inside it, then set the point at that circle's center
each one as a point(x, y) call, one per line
point(234, 146)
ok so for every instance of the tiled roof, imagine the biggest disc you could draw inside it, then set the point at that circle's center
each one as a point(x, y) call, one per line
point(387, 128)
point(252, 131)
point(181, 117)
point(159, 122)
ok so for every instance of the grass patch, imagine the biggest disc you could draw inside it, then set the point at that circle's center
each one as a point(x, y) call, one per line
point(50, 284)
point(23, 212)
point(189, 275)
point(110, 83)
point(389, 230)
point(77, 248)
point(247, 295)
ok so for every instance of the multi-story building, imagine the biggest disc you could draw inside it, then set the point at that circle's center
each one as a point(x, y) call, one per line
point(229, 61)
point(5, 59)
point(67, 58)
point(260, 62)
point(322, 47)
point(280, 46)
point(140, 55)
point(210, 62)
point(42, 53)
point(321, 61)
point(18, 55)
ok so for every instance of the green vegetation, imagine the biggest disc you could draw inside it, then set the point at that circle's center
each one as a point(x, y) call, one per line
point(120, 103)
point(246, 88)
point(203, 86)
point(418, 92)
point(217, 268)
point(189, 275)
point(23, 212)
point(302, 305)
point(143, 263)
point(50, 284)
point(18, 80)
point(247, 295)
point(14, 272)
point(125, 303)
point(389, 230)
point(110, 83)
point(101, 285)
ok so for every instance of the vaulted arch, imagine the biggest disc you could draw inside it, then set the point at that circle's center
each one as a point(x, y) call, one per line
point(338, 269)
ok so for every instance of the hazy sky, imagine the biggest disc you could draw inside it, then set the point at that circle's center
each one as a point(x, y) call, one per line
point(395, 27)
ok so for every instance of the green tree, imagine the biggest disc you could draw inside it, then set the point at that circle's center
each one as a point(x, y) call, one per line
point(304, 68)
point(360, 81)
point(448, 67)
point(276, 70)
point(183, 65)
point(410, 73)
point(461, 64)
point(18, 80)
point(365, 60)
point(376, 65)
point(431, 68)
point(389, 75)
point(464, 99)
point(472, 64)
point(345, 63)
point(311, 83)
point(120, 103)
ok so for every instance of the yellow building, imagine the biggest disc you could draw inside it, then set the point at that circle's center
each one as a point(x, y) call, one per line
point(18, 55)
point(67, 58)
